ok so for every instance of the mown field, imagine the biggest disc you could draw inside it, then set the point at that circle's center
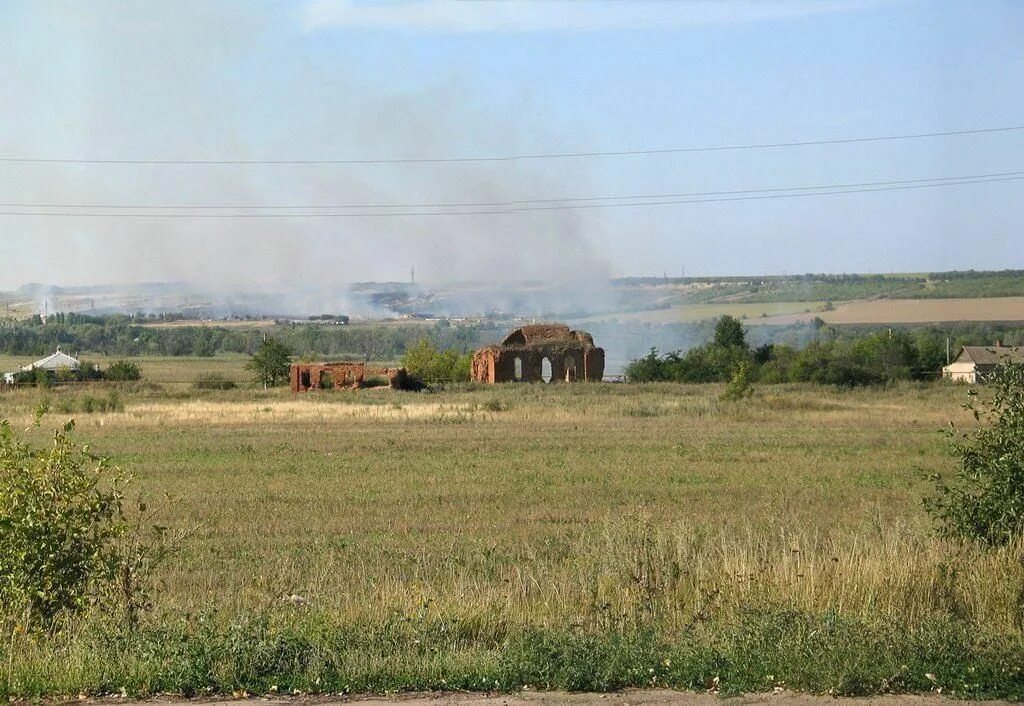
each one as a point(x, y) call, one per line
point(583, 537)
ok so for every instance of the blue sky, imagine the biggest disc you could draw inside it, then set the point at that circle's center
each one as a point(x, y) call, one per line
point(342, 79)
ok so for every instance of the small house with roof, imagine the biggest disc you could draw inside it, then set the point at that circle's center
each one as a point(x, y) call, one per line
point(976, 363)
point(56, 361)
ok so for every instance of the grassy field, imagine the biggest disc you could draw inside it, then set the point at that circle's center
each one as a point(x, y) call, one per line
point(172, 372)
point(583, 537)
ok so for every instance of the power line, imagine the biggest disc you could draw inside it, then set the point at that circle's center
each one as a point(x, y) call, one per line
point(511, 203)
point(523, 209)
point(509, 158)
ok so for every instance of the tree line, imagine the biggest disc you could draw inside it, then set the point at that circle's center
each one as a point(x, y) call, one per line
point(847, 356)
point(122, 336)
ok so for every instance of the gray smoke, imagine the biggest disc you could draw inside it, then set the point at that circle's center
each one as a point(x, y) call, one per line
point(165, 89)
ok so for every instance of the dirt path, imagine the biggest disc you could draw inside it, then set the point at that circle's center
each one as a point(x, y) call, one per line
point(646, 697)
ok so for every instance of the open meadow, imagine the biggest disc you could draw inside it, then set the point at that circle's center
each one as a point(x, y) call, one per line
point(591, 536)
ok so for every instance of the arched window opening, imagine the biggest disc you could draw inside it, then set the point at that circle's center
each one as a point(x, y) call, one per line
point(545, 370)
point(518, 368)
point(570, 369)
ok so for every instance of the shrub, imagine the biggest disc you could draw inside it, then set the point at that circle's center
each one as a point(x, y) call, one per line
point(60, 512)
point(741, 385)
point(985, 500)
point(496, 405)
point(66, 540)
point(42, 378)
point(122, 371)
point(213, 381)
point(424, 362)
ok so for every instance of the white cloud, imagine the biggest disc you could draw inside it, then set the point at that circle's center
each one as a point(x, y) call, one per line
point(472, 16)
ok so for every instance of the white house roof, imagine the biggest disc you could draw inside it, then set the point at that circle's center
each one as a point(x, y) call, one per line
point(54, 362)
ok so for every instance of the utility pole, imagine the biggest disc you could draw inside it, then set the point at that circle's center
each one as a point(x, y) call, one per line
point(412, 275)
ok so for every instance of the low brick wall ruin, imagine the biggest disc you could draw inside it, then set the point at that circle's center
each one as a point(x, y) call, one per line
point(316, 376)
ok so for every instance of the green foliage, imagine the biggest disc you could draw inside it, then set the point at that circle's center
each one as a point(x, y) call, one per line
point(60, 514)
point(120, 335)
point(122, 371)
point(43, 378)
point(67, 540)
point(764, 649)
point(715, 362)
point(985, 500)
point(729, 333)
point(270, 364)
point(740, 386)
point(852, 360)
point(424, 362)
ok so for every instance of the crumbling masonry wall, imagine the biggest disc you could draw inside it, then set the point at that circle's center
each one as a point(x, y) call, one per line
point(572, 356)
point(314, 376)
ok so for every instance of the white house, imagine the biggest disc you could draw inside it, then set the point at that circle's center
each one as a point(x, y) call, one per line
point(975, 363)
point(56, 361)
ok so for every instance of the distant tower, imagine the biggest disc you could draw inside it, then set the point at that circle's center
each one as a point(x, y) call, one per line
point(412, 275)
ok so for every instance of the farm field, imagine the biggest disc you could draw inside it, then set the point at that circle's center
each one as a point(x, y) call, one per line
point(699, 312)
point(926, 310)
point(875, 311)
point(584, 537)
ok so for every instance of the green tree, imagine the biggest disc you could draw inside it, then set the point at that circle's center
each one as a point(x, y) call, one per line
point(647, 369)
point(985, 500)
point(271, 363)
point(729, 333)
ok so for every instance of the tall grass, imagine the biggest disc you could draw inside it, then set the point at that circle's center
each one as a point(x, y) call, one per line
point(552, 537)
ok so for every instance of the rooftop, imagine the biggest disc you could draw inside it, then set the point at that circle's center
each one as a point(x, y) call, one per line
point(992, 355)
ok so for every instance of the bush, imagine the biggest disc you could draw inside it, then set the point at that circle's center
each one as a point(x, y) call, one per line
point(213, 381)
point(122, 371)
point(66, 540)
point(985, 500)
point(60, 512)
point(741, 385)
point(42, 378)
point(424, 362)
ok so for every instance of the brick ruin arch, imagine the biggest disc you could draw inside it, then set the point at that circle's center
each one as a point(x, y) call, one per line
point(520, 357)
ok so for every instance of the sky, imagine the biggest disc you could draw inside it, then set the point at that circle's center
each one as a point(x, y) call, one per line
point(271, 81)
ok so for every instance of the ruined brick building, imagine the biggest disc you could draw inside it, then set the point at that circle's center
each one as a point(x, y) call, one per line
point(316, 376)
point(540, 353)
